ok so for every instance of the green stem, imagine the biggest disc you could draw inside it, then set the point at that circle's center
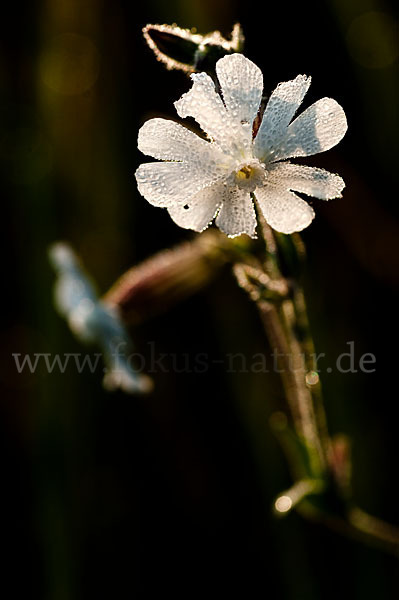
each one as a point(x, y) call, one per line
point(279, 319)
point(282, 309)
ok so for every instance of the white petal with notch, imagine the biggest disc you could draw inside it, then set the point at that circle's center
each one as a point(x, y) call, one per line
point(205, 105)
point(284, 211)
point(279, 111)
point(308, 180)
point(167, 183)
point(167, 140)
point(241, 83)
point(198, 211)
point(317, 129)
point(237, 214)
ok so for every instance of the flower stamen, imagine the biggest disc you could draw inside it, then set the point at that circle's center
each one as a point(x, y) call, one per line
point(245, 173)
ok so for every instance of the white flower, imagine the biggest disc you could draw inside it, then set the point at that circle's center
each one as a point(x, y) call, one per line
point(221, 175)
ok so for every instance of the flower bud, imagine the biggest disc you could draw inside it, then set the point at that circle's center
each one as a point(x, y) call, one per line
point(171, 276)
point(189, 51)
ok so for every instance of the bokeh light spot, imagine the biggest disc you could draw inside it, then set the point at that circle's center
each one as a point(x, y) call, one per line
point(283, 504)
point(70, 64)
point(312, 378)
point(372, 40)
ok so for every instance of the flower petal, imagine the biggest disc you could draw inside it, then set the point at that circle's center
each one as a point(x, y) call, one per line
point(308, 180)
point(283, 210)
point(241, 83)
point(166, 184)
point(318, 128)
point(199, 210)
point(237, 214)
point(205, 105)
point(167, 140)
point(280, 109)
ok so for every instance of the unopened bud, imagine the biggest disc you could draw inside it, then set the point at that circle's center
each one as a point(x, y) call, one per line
point(189, 51)
point(170, 276)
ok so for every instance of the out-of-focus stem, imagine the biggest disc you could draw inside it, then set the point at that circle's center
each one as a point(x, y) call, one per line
point(278, 327)
point(170, 276)
point(309, 353)
point(277, 338)
point(309, 423)
point(282, 308)
point(386, 535)
point(358, 525)
point(291, 498)
point(279, 319)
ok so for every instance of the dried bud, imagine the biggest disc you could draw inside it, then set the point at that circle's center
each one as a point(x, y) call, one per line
point(189, 51)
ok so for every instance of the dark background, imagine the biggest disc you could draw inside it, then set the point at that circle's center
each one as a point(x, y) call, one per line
point(107, 495)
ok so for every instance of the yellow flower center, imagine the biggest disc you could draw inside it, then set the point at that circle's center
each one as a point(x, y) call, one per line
point(245, 173)
point(249, 175)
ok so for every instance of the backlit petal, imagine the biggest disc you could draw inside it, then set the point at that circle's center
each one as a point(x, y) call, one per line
point(237, 214)
point(280, 110)
point(284, 211)
point(241, 84)
point(318, 128)
point(199, 210)
point(205, 105)
point(167, 140)
point(308, 180)
point(168, 183)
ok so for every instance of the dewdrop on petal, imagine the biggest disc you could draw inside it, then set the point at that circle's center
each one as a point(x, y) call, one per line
point(220, 177)
point(92, 321)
